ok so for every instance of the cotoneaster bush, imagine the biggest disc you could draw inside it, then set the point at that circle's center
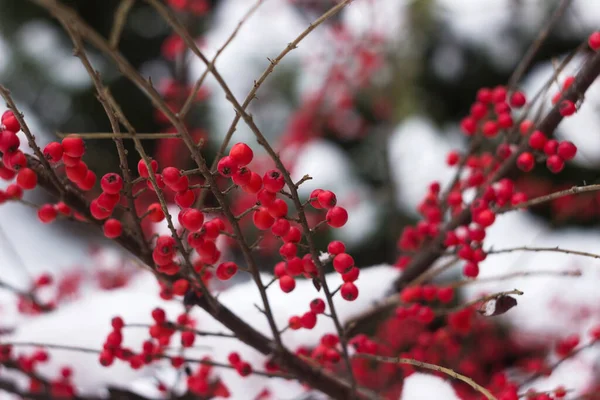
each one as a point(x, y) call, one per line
point(256, 209)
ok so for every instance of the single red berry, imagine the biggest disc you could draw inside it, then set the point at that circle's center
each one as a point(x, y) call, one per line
point(518, 100)
point(185, 199)
point(343, 262)
point(63, 208)
point(327, 199)
point(159, 315)
point(594, 41)
point(9, 141)
point(278, 208)
point(99, 212)
point(526, 126)
point(47, 213)
point(143, 168)
point(526, 162)
point(336, 247)
point(317, 306)
point(551, 147)
point(484, 95)
point(567, 108)
point(425, 315)
point(349, 291)
point(234, 358)
point(227, 166)
point(10, 122)
point(555, 164)
point(155, 213)
point(108, 201)
point(187, 338)
point(111, 183)
point(566, 150)
point(53, 152)
point(445, 294)
point(117, 323)
point(73, 146)
point(26, 179)
point(288, 250)
point(191, 219)
point(254, 185)
point(453, 158)
point(294, 235)
point(171, 175)
point(77, 172)
point(308, 320)
point(352, 275)
point(15, 160)
point(112, 228)
point(287, 283)
point(537, 140)
point(490, 129)
point(499, 94)
point(471, 270)
point(478, 110)
point(273, 181)
point(262, 219)
point(242, 176)
point(226, 270)
point(6, 174)
point(485, 218)
point(469, 126)
point(281, 227)
point(337, 217)
point(242, 153)
point(88, 182)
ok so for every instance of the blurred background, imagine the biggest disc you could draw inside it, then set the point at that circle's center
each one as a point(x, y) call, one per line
point(374, 87)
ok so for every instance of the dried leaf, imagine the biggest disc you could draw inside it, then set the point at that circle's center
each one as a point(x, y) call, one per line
point(497, 306)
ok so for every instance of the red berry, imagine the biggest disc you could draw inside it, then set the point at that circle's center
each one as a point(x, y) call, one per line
point(26, 179)
point(112, 228)
point(499, 94)
point(9, 141)
point(309, 320)
point(108, 201)
point(352, 275)
point(594, 41)
point(262, 219)
point(171, 175)
point(63, 208)
point(227, 166)
point(111, 183)
point(567, 108)
point(77, 172)
point(47, 213)
point(484, 95)
point(445, 294)
point(10, 122)
point(343, 262)
point(278, 208)
point(469, 126)
point(471, 270)
point(99, 212)
point(337, 217)
point(555, 164)
point(453, 158)
point(517, 99)
point(349, 291)
point(327, 199)
point(336, 247)
point(254, 185)
point(287, 283)
point(490, 129)
point(234, 358)
point(273, 181)
point(155, 213)
point(88, 182)
point(242, 176)
point(191, 219)
point(143, 168)
point(551, 147)
point(15, 160)
point(526, 162)
point(281, 227)
point(317, 306)
point(288, 250)
point(537, 140)
point(242, 153)
point(73, 146)
point(226, 270)
point(484, 218)
point(187, 338)
point(294, 235)
point(53, 152)
point(566, 150)
point(185, 199)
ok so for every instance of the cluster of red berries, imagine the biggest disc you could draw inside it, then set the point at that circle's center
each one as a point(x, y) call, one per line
point(326, 353)
point(555, 152)
point(242, 367)
point(309, 319)
point(491, 112)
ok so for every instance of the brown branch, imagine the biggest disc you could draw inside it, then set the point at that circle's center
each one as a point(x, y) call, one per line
point(546, 249)
point(432, 367)
point(188, 102)
point(550, 197)
point(537, 43)
point(119, 22)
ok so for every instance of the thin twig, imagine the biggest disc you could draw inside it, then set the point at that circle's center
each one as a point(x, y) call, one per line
point(119, 22)
point(555, 249)
point(433, 367)
point(550, 197)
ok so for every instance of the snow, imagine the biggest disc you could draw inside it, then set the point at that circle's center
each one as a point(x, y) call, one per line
point(86, 323)
point(420, 386)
